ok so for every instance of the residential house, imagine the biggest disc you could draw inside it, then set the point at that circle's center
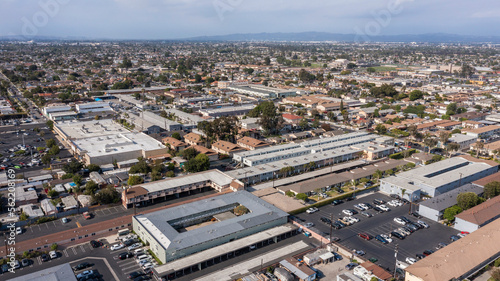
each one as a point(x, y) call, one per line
point(193, 139)
point(225, 147)
point(212, 155)
point(251, 143)
point(174, 143)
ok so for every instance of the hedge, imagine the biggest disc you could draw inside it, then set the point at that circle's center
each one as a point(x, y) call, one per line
point(400, 155)
point(327, 201)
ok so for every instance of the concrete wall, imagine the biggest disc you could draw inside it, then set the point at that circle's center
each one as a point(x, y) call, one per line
point(463, 225)
point(429, 213)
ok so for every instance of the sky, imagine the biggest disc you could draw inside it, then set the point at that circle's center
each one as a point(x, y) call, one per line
point(175, 19)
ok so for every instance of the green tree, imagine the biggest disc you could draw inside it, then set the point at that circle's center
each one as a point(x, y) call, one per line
point(50, 143)
point(416, 94)
point(304, 124)
point(140, 168)
point(46, 159)
point(491, 190)
point(135, 180)
point(200, 163)
point(54, 150)
point(176, 135)
point(269, 117)
point(451, 109)
point(450, 213)
point(189, 153)
point(91, 187)
point(467, 200)
point(381, 129)
point(371, 70)
point(93, 168)
point(53, 193)
point(72, 167)
point(23, 216)
point(107, 196)
point(50, 124)
point(53, 247)
point(77, 179)
point(290, 193)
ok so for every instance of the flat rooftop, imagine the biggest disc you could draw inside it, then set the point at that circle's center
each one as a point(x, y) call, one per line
point(159, 224)
point(119, 143)
point(87, 129)
point(62, 272)
point(202, 256)
point(449, 198)
point(215, 176)
point(438, 174)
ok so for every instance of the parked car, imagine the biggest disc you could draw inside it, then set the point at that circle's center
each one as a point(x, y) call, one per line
point(64, 220)
point(312, 210)
point(309, 225)
point(365, 236)
point(337, 202)
point(85, 273)
point(348, 212)
point(386, 237)
point(397, 235)
point(423, 224)
point(381, 239)
point(366, 214)
point(376, 208)
point(26, 262)
point(411, 260)
point(134, 274)
point(95, 244)
point(399, 221)
point(360, 252)
point(45, 257)
point(82, 265)
point(417, 215)
point(419, 256)
point(134, 246)
point(384, 208)
point(117, 247)
point(441, 245)
point(454, 238)
point(53, 254)
point(350, 266)
point(326, 221)
point(125, 255)
point(428, 252)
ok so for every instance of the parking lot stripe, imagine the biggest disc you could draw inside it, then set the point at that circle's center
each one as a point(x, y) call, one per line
point(129, 271)
point(78, 224)
point(65, 253)
point(83, 249)
point(74, 250)
point(129, 262)
point(132, 266)
point(39, 259)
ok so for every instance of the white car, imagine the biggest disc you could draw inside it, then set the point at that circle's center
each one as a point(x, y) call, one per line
point(404, 231)
point(349, 219)
point(364, 206)
point(143, 262)
point(411, 260)
point(400, 221)
point(134, 246)
point(384, 208)
point(147, 266)
point(117, 247)
point(424, 224)
point(386, 237)
point(85, 273)
point(309, 224)
point(347, 212)
point(355, 219)
point(312, 210)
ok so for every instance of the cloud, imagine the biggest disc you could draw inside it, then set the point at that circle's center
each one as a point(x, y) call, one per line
point(486, 14)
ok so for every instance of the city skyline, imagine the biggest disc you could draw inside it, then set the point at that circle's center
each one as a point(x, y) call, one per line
point(155, 19)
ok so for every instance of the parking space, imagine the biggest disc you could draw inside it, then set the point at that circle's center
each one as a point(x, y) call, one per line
point(379, 223)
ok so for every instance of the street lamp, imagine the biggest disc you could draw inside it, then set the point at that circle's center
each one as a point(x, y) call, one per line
point(396, 257)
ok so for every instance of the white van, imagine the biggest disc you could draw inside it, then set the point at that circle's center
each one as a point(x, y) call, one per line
point(141, 257)
point(53, 254)
point(138, 252)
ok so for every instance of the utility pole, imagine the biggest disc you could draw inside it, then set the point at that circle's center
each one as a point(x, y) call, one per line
point(396, 257)
point(331, 226)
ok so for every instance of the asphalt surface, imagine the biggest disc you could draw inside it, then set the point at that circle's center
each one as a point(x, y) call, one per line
point(383, 223)
point(100, 215)
point(77, 254)
point(252, 254)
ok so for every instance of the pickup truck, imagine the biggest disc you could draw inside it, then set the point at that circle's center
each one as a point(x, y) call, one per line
point(87, 215)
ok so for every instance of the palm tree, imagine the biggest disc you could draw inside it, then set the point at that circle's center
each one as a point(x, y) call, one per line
point(479, 147)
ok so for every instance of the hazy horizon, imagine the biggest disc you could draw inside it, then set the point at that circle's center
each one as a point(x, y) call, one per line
point(167, 19)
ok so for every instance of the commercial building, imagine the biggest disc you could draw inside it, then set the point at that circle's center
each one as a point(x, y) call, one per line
point(56, 107)
point(185, 118)
point(150, 193)
point(433, 208)
point(62, 272)
point(228, 111)
point(465, 141)
point(261, 91)
point(460, 259)
point(117, 148)
point(185, 237)
point(478, 216)
point(94, 107)
point(437, 178)
point(150, 123)
point(76, 130)
point(484, 132)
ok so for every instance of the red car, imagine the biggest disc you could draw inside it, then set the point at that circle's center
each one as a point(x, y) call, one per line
point(365, 236)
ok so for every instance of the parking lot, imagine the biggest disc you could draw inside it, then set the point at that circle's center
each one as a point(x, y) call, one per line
point(105, 262)
point(380, 223)
point(12, 136)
